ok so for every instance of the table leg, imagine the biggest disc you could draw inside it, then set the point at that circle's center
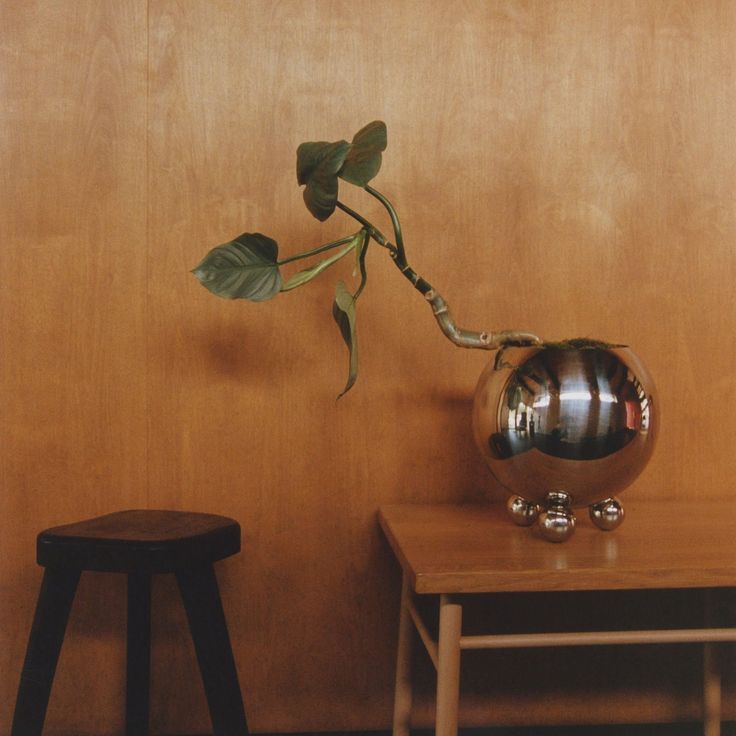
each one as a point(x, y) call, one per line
point(711, 676)
point(711, 691)
point(403, 690)
point(448, 667)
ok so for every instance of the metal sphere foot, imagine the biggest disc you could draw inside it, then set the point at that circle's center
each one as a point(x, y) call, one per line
point(607, 514)
point(557, 521)
point(523, 512)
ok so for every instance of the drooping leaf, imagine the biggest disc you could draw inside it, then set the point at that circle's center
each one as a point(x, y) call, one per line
point(317, 165)
point(244, 268)
point(343, 310)
point(308, 155)
point(363, 160)
point(307, 274)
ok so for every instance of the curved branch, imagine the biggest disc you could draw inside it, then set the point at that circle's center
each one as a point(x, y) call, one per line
point(373, 231)
point(470, 338)
point(401, 253)
point(457, 335)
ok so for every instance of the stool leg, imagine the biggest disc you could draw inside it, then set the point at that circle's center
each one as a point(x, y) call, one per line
point(44, 645)
point(202, 602)
point(138, 672)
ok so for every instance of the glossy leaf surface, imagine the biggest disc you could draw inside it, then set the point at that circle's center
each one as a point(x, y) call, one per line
point(308, 156)
point(245, 268)
point(363, 160)
point(343, 310)
point(317, 165)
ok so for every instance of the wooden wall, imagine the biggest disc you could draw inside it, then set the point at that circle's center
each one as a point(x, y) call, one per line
point(567, 167)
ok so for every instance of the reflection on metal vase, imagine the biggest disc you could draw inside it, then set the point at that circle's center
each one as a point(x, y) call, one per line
point(562, 427)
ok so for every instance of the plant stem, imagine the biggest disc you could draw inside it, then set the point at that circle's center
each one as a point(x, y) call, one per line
point(399, 257)
point(316, 251)
point(471, 338)
point(458, 336)
point(305, 276)
point(401, 253)
point(373, 231)
point(361, 264)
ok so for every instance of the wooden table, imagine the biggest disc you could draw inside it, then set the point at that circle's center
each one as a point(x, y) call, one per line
point(447, 550)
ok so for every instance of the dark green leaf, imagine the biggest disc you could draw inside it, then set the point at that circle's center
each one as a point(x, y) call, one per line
point(245, 268)
point(343, 310)
point(363, 160)
point(317, 165)
point(308, 156)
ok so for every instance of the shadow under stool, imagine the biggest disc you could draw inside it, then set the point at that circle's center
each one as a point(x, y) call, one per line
point(139, 543)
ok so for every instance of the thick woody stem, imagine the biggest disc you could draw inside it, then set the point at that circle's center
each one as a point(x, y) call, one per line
point(470, 338)
point(457, 335)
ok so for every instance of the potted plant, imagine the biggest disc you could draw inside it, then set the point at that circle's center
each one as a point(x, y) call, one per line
point(542, 466)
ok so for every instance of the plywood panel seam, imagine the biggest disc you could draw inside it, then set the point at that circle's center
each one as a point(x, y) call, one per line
point(147, 250)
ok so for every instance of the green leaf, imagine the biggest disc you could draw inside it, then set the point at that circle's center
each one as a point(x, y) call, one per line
point(317, 165)
point(306, 275)
point(363, 160)
point(343, 310)
point(308, 156)
point(245, 268)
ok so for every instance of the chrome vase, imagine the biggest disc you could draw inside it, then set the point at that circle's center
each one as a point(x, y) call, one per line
point(565, 427)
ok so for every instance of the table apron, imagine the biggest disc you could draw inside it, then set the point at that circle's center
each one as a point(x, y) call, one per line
point(571, 639)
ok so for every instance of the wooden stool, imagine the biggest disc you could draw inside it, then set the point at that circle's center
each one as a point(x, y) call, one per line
point(139, 543)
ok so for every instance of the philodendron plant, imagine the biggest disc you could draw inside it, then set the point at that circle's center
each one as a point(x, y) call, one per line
point(249, 267)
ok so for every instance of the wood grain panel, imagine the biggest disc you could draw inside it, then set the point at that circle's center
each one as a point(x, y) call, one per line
point(565, 167)
point(72, 311)
point(536, 153)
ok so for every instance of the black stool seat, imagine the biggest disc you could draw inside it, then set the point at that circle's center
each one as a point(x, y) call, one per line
point(138, 543)
point(140, 540)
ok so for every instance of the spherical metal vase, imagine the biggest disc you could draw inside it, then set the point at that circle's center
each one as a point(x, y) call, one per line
point(564, 427)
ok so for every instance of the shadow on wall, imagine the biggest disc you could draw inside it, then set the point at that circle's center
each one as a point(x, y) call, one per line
point(442, 424)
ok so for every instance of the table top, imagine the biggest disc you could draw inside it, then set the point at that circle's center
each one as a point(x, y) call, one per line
point(476, 548)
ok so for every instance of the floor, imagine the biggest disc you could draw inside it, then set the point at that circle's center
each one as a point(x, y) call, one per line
point(684, 729)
